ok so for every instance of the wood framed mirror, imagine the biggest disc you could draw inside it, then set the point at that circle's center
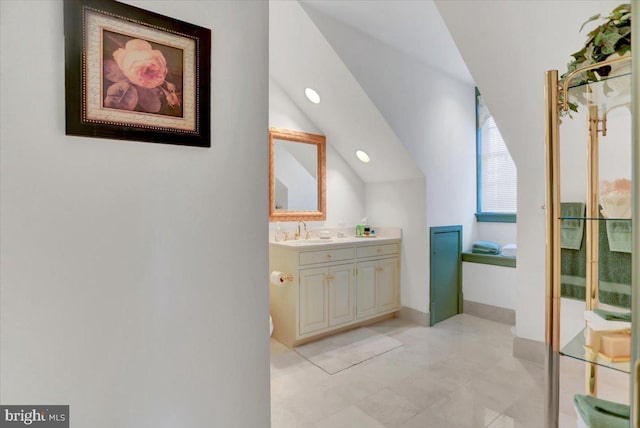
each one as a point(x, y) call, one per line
point(297, 176)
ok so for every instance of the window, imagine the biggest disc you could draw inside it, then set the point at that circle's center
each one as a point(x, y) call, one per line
point(497, 174)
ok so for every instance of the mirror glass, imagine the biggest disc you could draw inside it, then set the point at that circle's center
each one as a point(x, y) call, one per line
point(296, 176)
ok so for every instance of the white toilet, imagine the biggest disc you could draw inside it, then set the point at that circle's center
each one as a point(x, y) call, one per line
point(270, 326)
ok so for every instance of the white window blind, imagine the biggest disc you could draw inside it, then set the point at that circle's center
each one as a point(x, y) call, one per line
point(498, 172)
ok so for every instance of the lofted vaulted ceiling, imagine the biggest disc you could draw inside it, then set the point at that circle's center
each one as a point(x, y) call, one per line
point(413, 27)
point(300, 56)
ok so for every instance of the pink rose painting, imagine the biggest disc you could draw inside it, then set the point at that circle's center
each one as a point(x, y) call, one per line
point(143, 76)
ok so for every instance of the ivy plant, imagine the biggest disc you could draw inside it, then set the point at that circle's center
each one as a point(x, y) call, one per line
point(613, 36)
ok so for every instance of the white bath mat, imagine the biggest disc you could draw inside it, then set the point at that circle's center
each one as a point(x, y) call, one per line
point(336, 353)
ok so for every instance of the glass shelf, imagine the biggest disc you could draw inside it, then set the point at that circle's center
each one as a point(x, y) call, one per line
point(608, 93)
point(623, 76)
point(593, 218)
point(575, 349)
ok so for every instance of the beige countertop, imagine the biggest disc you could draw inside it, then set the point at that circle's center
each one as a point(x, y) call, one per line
point(335, 241)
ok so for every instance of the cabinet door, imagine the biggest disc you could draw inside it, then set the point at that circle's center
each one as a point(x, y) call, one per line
point(366, 289)
point(314, 313)
point(387, 285)
point(341, 296)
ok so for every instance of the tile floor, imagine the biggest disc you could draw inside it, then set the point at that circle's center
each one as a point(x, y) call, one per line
point(457, 374)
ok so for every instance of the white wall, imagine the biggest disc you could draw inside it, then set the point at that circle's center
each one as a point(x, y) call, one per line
point(489, 284)
point(133, 273)
point(345, 190)
point(402, 204)
point(433, 115)
point(507, 46)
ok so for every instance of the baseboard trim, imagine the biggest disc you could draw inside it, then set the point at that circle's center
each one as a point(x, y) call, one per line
point(490, 312)
point(530, 350)
point(414, 316)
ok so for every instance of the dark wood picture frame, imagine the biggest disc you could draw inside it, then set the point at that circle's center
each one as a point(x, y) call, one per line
point(131, 74)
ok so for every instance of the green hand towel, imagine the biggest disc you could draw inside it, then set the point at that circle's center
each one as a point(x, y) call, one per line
point(485, 247)
point(571, 230)
point(599, 413)
point(613, 316)
point(614, 272)
point(613, 267)
point(619, 235)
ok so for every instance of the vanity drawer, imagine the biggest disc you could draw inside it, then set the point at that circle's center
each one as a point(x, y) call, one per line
point(325, 256)
point(377, 250)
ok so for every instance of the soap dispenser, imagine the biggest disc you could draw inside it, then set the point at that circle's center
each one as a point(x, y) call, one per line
point(360, 229)
point(278, 235)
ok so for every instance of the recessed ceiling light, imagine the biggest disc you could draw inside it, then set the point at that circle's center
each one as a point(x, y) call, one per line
point(363, 156)
point(312, 95)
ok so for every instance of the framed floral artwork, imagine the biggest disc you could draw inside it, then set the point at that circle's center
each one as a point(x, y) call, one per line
point(136, 75)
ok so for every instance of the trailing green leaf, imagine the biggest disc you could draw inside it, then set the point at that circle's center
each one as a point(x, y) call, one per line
point(612, 36)
point(609, 41)
point(593, 18)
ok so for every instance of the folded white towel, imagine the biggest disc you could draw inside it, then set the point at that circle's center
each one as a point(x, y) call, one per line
point(596, 322)
point(581, 423)
point(509, 250)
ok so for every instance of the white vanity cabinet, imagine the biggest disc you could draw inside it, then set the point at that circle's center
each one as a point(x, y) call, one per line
point(332, 286)
point(387, 285)
point(378, 288)
point(326, 297)
point(366, 286)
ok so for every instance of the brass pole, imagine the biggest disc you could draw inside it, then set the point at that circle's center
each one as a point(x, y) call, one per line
point(592, 233)
point(593, 211)
point(552, 272)
point(635, 200)
point(553, 212)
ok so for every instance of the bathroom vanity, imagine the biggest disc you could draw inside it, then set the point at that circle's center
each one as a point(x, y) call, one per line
point(332, 285)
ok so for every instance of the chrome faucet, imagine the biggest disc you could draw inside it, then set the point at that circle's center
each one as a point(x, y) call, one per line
point(299, 232)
